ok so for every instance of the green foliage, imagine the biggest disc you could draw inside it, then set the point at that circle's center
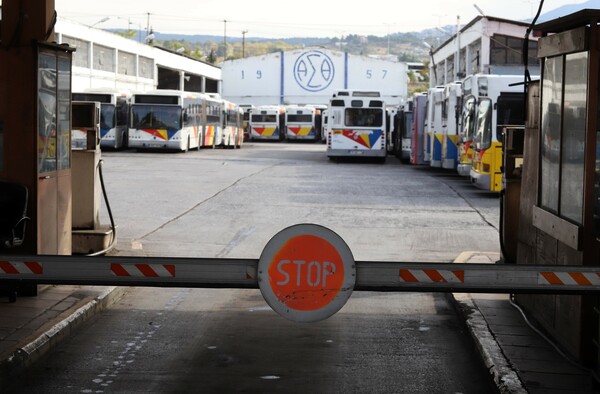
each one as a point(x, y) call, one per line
point(406, 47)
point(212, 56)
point(130, 34)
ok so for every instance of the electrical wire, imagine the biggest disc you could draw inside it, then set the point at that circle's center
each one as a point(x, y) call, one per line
point(113, 240)
point(567, 358)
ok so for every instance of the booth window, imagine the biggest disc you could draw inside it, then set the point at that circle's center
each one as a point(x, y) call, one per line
point(564, 109)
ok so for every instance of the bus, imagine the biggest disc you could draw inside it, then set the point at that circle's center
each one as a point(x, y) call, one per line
point(233, 131)
point(392, 129)
point(356, 125)
point(114, 115)
point(433, 127)
point(466, 130)
point(247, 108)
point(417, 129)
point(324, 122)
point(212, 121)
point(301, 123)
point(498, 105)
point(450, 124)
point(166, 119)
point(405, 120)
point(267, 123)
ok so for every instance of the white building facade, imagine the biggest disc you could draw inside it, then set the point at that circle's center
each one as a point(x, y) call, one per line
point(106, 60)
point(310, 76)
point(486, 45)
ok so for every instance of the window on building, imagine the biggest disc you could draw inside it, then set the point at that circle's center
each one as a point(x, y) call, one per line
point(474, 60)
point(81, 56)
point(564, 109)
point(126, 63)
point(146, 67)
point(507, 50)
point(449, 77)
point(104, 58)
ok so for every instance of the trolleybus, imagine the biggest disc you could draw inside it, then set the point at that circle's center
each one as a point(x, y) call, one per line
point(450, 124)
point(247, 108)
point(498, 105)
point(405, 123)
point(417, 129)
point(114, 115)
point(466, 130)
point(166, 119)
point(233, 131)
point(356, 125)
point(267, 123)
point(212, 121)
point(433, 148)
point(301, 123)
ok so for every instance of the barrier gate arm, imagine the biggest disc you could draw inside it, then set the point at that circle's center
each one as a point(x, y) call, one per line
point(243, 273)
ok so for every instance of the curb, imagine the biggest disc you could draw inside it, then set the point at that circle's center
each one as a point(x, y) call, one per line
point(33, 351)
point(504, 377)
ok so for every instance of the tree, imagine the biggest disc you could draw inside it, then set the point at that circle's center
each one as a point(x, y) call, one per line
point(212, 57)
point(129, 34)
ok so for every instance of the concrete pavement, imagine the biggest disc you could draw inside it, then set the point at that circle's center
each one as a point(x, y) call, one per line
point(518, 359)
point(517, 356)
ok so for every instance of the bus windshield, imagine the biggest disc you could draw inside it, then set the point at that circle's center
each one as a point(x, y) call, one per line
point(468, 123)
point(483, 136)
point(300, 118)
point(156, 117)
point(364, 117)
point(107, 116)
point(262, 118)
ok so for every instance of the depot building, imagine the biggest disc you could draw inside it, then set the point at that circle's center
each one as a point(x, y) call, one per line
point(310, 76)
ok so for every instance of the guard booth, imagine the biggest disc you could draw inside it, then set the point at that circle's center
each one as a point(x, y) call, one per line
point(35, 117)
point(559, 214)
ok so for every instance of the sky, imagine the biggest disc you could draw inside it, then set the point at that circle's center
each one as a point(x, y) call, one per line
point(282, 19)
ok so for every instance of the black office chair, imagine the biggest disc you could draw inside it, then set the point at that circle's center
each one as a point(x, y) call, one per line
point(13, 214)
point(13, 221)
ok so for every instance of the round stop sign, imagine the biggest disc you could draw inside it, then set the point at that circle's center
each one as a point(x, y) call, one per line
point(306, 273)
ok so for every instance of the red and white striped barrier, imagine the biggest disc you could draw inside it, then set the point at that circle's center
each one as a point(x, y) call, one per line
point(569, 278)
point(431, 276)
point(144, 270)
point(21, 268)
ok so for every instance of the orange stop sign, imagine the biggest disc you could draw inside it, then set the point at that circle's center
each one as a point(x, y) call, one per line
point(306, 272)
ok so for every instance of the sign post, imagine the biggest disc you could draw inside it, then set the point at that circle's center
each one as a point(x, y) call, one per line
point(306, 273)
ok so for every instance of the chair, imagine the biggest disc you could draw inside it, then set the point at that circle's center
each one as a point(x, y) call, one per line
point(13, 214)
point(13, 222)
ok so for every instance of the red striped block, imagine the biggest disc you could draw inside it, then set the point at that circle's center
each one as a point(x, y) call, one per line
point(431, 276)
point(569, 278)
point(20, 268)
point(144, 270)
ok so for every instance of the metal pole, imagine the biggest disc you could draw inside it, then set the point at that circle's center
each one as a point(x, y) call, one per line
point(244, 43)
point(224, 39)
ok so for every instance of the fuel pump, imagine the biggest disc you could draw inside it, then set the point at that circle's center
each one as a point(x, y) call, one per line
point(89, 236)
point(512, 167)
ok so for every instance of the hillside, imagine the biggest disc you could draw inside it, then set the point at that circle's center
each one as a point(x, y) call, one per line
point(402, 46)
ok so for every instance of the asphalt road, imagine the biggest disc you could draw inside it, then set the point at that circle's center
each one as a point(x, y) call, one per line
point(228, 203)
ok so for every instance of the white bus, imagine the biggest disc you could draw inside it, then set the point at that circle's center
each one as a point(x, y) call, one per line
point(301, 123)
point(324, 125)
point(114, 115)
point(166, 119)
point(233, 129)
point(356, 125)
point(267, 123)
